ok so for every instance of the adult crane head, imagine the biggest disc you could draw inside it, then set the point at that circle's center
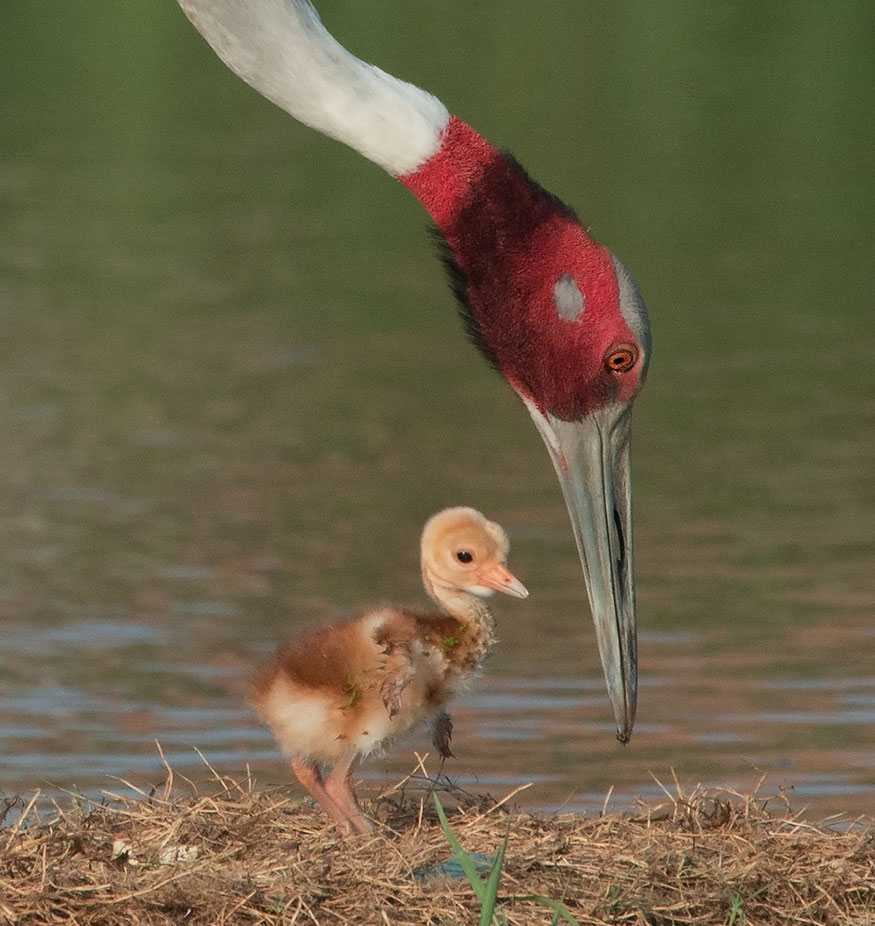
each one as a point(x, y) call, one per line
point(554, 312)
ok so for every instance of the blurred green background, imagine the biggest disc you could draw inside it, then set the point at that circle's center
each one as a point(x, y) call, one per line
point(234, 387)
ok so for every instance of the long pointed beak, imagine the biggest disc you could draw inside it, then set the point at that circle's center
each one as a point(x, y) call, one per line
point(591, 459)
point(500, 579)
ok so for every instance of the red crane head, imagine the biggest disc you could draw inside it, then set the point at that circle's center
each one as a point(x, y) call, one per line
point(562, 320)
point(548, 306)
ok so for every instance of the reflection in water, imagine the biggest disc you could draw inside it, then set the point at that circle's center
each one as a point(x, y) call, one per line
point(233, 388)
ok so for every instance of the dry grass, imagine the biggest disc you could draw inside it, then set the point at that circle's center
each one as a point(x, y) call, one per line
point(230, 853)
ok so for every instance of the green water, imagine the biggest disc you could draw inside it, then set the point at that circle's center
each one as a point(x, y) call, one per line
point(232, 388)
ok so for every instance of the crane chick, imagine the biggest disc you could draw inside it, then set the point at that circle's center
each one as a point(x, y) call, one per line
point(338, 694)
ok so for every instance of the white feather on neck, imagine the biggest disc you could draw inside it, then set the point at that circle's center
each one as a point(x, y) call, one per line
point(281, 49)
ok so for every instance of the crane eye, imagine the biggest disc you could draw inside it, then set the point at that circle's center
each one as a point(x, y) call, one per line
point(621, 358)
point(463, 556)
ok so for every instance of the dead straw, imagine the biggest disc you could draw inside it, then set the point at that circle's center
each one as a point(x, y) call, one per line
point(232, 854)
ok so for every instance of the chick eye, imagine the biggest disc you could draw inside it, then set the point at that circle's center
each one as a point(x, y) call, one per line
point(621, 358)
point(463, 556)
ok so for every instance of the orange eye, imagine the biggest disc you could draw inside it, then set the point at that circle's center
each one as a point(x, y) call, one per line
point(621, 358)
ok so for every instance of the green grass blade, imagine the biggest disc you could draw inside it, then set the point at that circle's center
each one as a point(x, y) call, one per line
point(463, 858)
point(488, 902)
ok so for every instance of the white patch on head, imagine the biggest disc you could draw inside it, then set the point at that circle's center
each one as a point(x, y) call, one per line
point(568, 298)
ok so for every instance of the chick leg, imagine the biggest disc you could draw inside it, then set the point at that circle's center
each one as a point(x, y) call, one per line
point(340, 789)
point(311, 778)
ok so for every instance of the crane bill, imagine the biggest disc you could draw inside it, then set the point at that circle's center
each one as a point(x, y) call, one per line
point(591, 459)
point(499, 578)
